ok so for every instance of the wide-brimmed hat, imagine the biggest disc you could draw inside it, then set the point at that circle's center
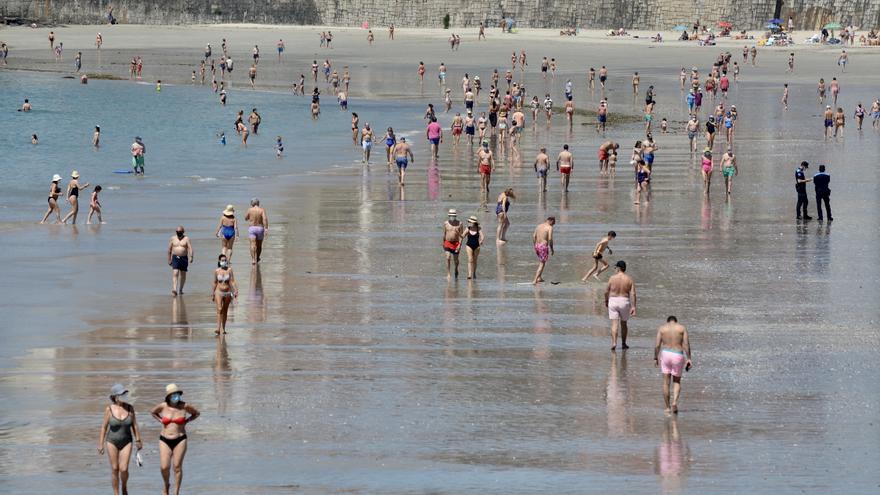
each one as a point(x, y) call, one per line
point(74, 174)
point(473, 219)
point(56, 178)
point(172, 388)
point(452, 212)
point(229, 211)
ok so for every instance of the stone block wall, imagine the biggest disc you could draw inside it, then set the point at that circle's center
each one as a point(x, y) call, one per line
point(658, 15)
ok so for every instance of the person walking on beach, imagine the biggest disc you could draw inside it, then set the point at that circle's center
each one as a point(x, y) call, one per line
point(138, 150)
point(542, 238)
point(224, 288)
point(227, 230)
point(542, 164)
point(95, 206)
point(174, 414)
point(54, 194)
point(401, 152)
point(564, 165)
point(672, 353)
point(180, 255)
point(486, 165)
point(620, 299)
point(73, 189)
point(453, 232)
point(119, 429)
point(823, 192)
point(367, 142)
point(800, 186)
point(434, 133)
point(258, 227)
point(600, 248)
point(473, 240)
point(501, 209)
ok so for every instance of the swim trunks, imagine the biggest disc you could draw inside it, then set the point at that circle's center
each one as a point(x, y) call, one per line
point(256, 232)
point(618, 308)
point(451, 247)
point(649, 158)
point(728, 171)
point(692, 135)
point(603, 154)
point(603, 78)
point(469, 130)
point(485, 169)
point(672, 362)
point(543, 252)
point(565, 170)
point(402, 162)
point(367, 144)
point(541, 172)
point(597, 256)
point(179, 262)
point(602, 119)
point(469, 105)
point(828, 123)
point(435, 141)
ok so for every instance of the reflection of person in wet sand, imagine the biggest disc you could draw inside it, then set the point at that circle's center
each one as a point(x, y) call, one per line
point(601, 246)
point(672, 353)
point(672, 458)
point(543, 240)
point(620, 299)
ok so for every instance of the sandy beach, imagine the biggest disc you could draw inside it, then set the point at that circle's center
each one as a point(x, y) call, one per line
point(351, 364)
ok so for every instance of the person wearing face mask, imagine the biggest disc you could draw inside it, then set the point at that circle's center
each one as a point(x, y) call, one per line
point(174, 414)
point(223, 290)
point(180, 255)
point(118, 429)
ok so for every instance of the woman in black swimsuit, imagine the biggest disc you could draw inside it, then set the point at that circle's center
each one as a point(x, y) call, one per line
point(501, 212)
point(119, 430)
point(73, 189)
point(473, 239)
point(54, 193)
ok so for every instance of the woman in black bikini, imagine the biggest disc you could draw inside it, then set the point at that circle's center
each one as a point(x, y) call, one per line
point(174, 414)
point(473, 239)
point(118, 429)
point(54, 193)
point(73, 188)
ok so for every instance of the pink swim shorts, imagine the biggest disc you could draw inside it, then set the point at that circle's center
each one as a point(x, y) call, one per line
point(618, 308)
point(672, 362)
point(543, 252)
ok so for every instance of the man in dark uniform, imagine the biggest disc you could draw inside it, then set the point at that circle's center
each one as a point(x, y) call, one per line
point(823, 192)
point(800, 186)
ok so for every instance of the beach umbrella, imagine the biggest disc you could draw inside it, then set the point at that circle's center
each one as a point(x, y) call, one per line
point(680, 28)
point(724, 24)
point(833, 25)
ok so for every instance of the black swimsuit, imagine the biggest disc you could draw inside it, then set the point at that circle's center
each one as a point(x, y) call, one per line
point(473, 240)
point(55, 193)
point(74, 191)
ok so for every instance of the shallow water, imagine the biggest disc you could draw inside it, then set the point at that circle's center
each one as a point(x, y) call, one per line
point(353, 366)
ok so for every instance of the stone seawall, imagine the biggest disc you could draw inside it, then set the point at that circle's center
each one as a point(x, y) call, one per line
point(597, 14)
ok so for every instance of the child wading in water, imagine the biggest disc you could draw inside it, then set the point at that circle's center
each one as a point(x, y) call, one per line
point(95, 206)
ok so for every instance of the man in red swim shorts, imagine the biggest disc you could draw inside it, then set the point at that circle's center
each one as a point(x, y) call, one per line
point(486, 164)
point(564, 164)
point(453, 231)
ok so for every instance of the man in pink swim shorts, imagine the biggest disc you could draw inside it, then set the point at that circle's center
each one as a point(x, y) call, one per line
point(543, 239)
point(672, 353)
point(620, 299)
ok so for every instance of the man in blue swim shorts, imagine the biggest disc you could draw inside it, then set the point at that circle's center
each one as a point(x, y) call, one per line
point(402, 155)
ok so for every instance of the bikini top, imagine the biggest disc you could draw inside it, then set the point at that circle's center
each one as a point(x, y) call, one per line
point(223, 277)
point(178, 421)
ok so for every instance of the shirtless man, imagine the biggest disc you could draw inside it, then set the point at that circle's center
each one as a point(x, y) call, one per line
point(602, 116)
point(543, 240)
point(601, 246)
point(605, 150)
point(519, 122)
point(635, 83)
point(620, 299)
point(453, 232)
point(26, 106)
point(259, 226)
point(829, 121)
point(180, 255)
point(402, 156)
point(693, 126)
point(672, 354)
point(542, 164)
point(564, 165)
point(486, 165)
point(569, 112)
point(603, 76)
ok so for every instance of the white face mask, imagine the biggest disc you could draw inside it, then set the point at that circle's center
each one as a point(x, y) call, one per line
point(224, 264)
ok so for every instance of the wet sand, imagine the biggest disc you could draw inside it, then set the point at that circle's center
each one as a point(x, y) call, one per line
point(353, 366)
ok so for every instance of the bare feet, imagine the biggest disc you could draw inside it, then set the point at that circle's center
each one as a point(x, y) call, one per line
point(596, 276)
point(217, 332)
point(173, 292)
point(667, 411)
point(614, 348)
point(675, 409)
point(624, 346)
